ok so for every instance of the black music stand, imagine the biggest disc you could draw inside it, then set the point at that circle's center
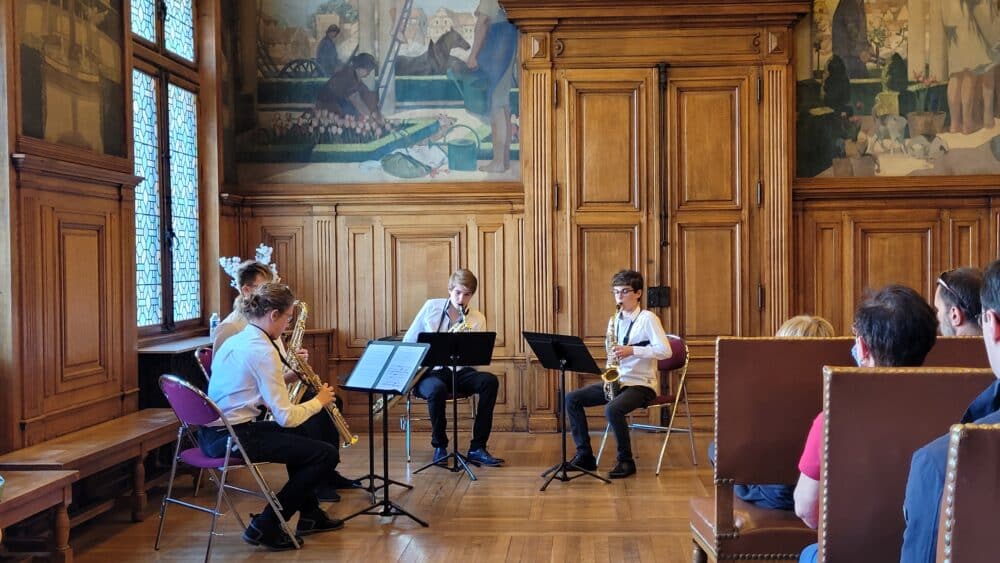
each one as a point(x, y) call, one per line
point(453, 349)
point(564, 353)
point(387, 368)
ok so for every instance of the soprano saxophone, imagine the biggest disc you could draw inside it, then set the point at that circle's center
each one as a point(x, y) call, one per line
point(310, 378)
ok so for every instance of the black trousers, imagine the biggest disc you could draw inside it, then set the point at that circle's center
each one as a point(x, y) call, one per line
point(310, 461)
point(435, 386)
point(628, 399)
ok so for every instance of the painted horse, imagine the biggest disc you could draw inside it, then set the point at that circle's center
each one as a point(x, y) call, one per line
point(437, 59)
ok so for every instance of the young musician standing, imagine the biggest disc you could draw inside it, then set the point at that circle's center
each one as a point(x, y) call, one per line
point(447, 315)
point(640, 343)
point(247, 375)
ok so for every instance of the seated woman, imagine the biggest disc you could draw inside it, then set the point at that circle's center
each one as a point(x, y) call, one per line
point(778, 496)
point(247, 376)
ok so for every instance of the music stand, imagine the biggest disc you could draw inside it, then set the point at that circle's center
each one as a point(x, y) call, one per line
point(564, 353)
point(453, 349)
point(387, 368)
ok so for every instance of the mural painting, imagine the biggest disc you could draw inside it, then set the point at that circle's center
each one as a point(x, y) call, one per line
point(899, 88)
point(72, 81)
point(365, 91)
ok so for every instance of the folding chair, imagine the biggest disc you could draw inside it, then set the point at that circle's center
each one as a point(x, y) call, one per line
point(194, 409)
point(203, 357)
point(677, 361)
point(406, 421)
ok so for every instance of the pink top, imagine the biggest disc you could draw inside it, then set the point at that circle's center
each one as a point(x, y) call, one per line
point(813, 451)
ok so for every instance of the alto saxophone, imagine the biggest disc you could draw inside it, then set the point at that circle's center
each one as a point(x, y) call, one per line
point(310, 378)
point(611, 376)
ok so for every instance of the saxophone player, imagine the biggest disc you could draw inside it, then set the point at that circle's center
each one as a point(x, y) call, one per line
point(247, 276)
point(636, 342)
point(454, 314)
point(247, 375)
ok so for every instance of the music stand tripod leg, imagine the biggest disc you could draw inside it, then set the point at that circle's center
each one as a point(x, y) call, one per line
point(565, 466)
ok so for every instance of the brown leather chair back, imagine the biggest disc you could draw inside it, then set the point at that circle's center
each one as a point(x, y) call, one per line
point(875, 419)
point(958, 351)
point(768, 391)
point(969, 507)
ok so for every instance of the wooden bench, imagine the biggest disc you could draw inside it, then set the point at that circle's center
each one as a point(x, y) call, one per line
point(99, 447)
point(27, 493)
point(969, 507)
point(875, 419)
point(768, 391)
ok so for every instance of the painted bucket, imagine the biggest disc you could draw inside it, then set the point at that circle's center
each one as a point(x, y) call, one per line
point(474, 89)
point(462, 152)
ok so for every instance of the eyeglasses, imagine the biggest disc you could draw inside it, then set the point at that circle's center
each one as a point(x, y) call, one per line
point(958, 298)
point(622, 292)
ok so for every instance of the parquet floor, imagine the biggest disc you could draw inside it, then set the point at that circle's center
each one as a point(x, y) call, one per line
point(501, 517)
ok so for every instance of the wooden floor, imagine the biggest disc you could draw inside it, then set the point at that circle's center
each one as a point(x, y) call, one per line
point(501, 517)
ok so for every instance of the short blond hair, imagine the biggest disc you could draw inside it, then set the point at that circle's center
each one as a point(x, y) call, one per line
point(465, 278)
point(806, 326)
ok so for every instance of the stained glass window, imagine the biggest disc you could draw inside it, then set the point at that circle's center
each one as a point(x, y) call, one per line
point(149, 299)
point(182, 108)
point(178, 28)
point(144, 19)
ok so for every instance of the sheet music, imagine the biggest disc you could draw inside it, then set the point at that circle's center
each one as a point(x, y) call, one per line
point(401, 366)
point(370, 365)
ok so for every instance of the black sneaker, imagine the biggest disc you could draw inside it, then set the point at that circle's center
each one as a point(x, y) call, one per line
point(316, 522)
point(341, 482)
point(623, 469)
point(584, 461)
point(269, 534)
point(439, 454)
point(483, 457)
point(327, 493)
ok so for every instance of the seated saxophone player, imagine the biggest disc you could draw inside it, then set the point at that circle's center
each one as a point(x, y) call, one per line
point(247, 376)
point(247, 276)
point(444, 315)
point(635, 342)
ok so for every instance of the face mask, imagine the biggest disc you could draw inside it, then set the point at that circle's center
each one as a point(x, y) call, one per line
point(855, 354)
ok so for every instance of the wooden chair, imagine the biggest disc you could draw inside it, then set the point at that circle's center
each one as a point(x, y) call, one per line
point(194, 409)
point(971, 498)
point(677, 361)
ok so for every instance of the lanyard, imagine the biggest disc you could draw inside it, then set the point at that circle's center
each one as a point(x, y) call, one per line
point(627, 330)
point(276, 349)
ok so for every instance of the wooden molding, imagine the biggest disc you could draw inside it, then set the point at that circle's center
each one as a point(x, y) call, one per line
point(895, 188)
point(652, 12)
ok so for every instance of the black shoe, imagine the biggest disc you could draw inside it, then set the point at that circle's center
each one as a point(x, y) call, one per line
point(440, 454)
point(483, 457)
point(584, 461)
point(623, 469)
point(341, 482)
point(316, 522)
point(327, 493)
point(269, 534)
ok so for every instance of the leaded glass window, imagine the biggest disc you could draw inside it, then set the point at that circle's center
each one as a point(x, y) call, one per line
point(149, 295)
point(144, 19)
point(178, 28)
point(183, 132)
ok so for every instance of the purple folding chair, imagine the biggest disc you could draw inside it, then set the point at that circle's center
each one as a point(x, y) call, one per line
point(193, 408)
point(678, 360)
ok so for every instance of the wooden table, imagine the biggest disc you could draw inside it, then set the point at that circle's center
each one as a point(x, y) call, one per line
point(175, 358)
point(27, 493)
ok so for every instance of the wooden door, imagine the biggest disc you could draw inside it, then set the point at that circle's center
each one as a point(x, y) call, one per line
point(710, 259)
point(605, 196)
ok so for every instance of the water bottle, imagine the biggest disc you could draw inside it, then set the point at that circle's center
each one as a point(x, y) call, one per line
point(213, 322)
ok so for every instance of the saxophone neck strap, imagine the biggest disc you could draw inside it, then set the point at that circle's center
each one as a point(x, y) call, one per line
point(628, 329)
point(284, 360)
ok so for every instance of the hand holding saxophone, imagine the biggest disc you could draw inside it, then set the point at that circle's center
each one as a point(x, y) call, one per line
point(325, 394)
point(622, 352)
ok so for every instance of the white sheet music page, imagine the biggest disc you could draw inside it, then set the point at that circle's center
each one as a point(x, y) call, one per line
point(401, 367)
point(370, 365)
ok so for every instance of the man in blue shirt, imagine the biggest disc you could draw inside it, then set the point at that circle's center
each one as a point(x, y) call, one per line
point(921, 506)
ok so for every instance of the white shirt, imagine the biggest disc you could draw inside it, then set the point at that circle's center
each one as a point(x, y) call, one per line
point(433, 318)
point(233, 324)
point(640, 367)
point(246, 374)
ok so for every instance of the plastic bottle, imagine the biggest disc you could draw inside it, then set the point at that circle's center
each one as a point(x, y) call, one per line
point(213, 322)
